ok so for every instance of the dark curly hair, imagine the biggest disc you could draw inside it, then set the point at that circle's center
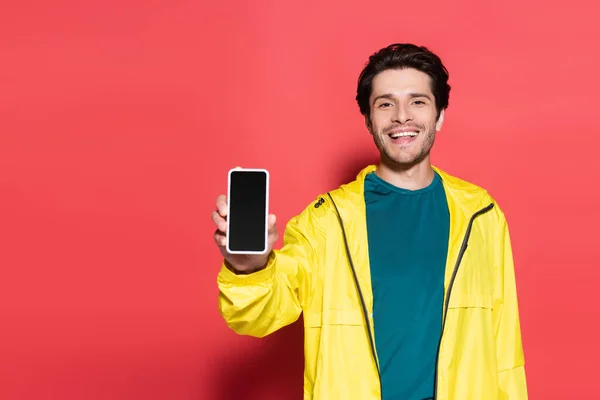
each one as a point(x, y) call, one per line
point(400, 56)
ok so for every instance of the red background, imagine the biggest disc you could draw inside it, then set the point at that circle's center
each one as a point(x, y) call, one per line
point(120, 119)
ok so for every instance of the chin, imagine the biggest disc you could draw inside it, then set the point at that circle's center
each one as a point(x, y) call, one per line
point(405, 162)
point(404, 159)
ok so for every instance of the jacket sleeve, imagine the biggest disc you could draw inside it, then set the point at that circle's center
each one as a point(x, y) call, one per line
point(510, 357)
point(260, 303)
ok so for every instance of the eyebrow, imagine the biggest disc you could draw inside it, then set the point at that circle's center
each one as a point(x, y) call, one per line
point(390, 96)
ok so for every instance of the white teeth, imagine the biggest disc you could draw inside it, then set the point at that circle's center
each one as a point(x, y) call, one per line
point(401, 134)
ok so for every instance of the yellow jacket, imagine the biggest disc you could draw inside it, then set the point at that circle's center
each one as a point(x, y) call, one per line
point(322, 271)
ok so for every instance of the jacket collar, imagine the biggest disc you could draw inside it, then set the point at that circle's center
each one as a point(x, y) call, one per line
point(467, 196)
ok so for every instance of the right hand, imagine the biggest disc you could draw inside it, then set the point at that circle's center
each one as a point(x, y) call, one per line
point(241, 263)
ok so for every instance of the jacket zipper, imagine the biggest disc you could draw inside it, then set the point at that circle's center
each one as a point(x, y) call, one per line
point(461, 253)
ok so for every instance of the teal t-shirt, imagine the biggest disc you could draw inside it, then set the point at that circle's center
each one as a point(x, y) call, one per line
point(408, 242)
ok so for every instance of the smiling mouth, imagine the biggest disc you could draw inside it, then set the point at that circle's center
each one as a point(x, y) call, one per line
point(403, 134)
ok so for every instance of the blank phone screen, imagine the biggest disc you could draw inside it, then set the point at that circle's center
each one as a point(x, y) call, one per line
point(247, 211)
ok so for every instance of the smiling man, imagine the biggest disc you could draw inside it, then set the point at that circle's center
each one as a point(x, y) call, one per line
point(394, 305)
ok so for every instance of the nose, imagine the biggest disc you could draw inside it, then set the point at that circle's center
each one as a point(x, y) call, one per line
point(402, 114)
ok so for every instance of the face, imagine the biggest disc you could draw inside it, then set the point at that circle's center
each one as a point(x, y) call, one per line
point(403, 116)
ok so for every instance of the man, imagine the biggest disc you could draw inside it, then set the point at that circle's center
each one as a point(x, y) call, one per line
point(404, 276)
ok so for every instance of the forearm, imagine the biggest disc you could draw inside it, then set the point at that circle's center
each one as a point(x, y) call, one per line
point(264, 301)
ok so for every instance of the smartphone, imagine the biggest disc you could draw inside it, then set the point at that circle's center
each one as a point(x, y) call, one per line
point(248, 211)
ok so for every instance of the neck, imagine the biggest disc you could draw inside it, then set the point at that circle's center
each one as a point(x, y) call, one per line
point(410, 177)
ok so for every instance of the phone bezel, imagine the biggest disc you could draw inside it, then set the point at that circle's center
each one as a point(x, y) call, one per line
point(267, 178)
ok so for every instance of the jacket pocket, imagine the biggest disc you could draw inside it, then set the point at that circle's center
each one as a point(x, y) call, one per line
point(470, 300)
point(333, 317)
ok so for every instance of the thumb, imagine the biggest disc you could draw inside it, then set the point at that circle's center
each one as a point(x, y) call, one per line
point(272, 222)
point(273, 234)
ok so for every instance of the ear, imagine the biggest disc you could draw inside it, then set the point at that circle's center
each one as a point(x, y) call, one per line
point(440, 121)
point(368, 124)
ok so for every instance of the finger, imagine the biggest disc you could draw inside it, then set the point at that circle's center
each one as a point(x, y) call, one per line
point(272, 223)
point(222, 205)
point(220, 239)
point(219, 221)
point(216, 217)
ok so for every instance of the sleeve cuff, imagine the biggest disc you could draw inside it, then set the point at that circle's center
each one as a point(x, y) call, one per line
point(227, 276)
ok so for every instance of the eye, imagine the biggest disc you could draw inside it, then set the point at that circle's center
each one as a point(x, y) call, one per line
point(385, 105)
point(418, 102)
